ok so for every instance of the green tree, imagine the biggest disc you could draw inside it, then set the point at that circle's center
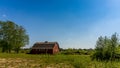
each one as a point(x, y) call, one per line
point(6, 35)
point(114, 44)
point(21, 38)
point(12, 36)
point(106, 48)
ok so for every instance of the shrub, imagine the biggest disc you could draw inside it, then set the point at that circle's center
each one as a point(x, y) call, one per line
point(106, 48)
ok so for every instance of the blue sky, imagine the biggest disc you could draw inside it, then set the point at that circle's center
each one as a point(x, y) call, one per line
point(72, 23)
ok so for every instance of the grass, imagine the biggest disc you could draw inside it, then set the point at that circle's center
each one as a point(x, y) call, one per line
point(52, 61)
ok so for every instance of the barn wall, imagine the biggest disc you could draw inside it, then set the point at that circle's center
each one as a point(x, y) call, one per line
point(41, 51)
point(55, 49)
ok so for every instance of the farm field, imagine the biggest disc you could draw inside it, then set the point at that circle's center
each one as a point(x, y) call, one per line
point(52, 61)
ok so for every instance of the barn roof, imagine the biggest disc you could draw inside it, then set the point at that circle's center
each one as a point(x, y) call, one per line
point(44, 45)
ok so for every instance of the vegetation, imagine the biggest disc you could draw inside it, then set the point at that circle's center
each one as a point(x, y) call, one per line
point(12, 36)
point(71, 51)
point(52, 61)
point(106, 48)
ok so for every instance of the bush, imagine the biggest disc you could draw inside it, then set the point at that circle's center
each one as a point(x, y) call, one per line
point(106, 48)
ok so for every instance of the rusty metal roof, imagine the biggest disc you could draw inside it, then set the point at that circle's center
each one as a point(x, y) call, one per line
point(44, 45)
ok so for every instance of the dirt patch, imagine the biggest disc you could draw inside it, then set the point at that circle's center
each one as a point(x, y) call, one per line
point(28, 63)
point(17, 63)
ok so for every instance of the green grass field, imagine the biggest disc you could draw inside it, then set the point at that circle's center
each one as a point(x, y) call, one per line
point(52, 61)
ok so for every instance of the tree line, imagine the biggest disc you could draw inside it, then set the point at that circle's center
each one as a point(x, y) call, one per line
point(12, 37)
point(73, 51)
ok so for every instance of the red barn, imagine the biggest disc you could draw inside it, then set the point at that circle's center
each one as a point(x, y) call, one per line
point(45, 48)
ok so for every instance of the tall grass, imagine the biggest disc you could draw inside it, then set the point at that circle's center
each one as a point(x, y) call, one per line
point(62, 61)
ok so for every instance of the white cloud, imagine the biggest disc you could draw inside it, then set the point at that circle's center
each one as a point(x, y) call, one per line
point(4, 15)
